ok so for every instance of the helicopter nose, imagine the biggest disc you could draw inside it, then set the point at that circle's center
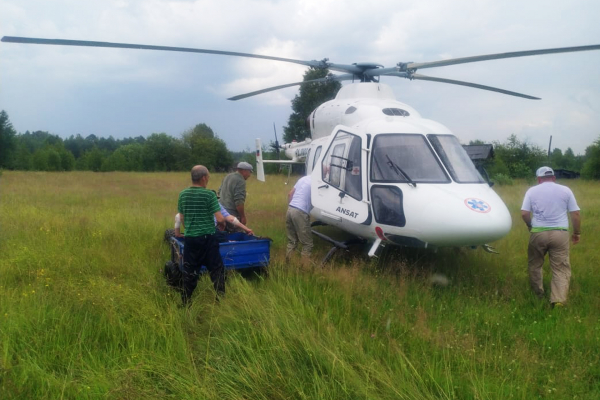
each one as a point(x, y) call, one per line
point(463, 215)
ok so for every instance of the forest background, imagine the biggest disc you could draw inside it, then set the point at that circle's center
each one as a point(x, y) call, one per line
point(160, 152)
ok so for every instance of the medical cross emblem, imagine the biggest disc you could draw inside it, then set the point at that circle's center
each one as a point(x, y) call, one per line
point(478, 205)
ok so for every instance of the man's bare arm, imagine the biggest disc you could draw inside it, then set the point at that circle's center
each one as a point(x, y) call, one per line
point(219, 217)
point(178, 224)
point(238, 224)
point(576, 221)
point(242, 212)
point(526, 216)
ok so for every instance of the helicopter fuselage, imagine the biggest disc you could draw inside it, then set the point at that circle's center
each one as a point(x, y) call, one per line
point(382, 172)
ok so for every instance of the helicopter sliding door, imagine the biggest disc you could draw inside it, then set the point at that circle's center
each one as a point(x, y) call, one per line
point(339, 182)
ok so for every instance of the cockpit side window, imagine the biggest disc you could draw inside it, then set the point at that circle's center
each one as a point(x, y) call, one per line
point(456, 159)
point(387, 205)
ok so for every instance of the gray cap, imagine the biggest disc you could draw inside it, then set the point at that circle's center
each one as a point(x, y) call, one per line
point(544, 171)
point(245, 165)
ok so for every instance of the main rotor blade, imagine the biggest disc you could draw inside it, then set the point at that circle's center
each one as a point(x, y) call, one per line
point(270, 89)
point(85, 43)
point(513, 54)
point(473, 85)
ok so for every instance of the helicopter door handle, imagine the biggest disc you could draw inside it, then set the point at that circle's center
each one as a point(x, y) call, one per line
point(323, 186)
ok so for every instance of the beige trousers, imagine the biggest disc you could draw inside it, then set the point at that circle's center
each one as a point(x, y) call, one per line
point(556, 244)
point(298, 230)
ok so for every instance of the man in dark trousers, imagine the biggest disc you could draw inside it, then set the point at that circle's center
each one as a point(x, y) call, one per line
point(545, 211)
point(199, 208)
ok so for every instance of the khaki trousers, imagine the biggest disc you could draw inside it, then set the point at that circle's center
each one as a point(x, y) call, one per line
point(556, 244)
point(298, 230)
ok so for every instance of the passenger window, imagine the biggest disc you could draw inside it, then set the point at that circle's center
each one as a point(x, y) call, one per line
point(341, 165)
point(317, 154)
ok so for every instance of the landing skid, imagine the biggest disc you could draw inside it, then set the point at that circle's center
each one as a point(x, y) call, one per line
point(489, 249)
point(345, 245)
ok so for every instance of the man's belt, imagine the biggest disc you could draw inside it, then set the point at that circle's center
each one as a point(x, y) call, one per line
point(297, 209)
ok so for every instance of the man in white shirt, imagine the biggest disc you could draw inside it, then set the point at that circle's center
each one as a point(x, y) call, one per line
point(550, 203)
point(297, 219)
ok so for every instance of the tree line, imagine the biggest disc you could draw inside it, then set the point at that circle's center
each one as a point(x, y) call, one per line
point(42, 151)
point(516, 159)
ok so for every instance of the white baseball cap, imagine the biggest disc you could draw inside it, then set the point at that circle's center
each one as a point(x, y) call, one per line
point(544, 171)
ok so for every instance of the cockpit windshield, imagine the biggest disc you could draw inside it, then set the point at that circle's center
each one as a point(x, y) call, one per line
point(455, 158)
point(405, 158)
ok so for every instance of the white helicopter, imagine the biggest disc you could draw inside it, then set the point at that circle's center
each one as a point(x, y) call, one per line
point(378, 170)
point(384, 174)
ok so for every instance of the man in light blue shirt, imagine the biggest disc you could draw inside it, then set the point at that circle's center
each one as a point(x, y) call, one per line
point(297, 219)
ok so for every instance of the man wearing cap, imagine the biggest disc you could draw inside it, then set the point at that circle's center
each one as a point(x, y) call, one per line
point(232, 192)
point(549, 204)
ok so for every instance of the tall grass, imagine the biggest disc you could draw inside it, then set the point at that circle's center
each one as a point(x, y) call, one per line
point(85, 312)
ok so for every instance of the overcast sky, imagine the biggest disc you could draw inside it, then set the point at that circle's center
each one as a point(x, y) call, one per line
point(124, 93)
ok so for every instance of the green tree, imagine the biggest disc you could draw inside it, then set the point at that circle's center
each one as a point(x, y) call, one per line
point(22, 158)
point(160, 153)
point(7, 141)
point(67, 159)
point(91, 160)
point(54, 161)
point(39, 160)
point(206, 148)
point(109, 145)
point(557, 159)
point(569, 160)
point(114, 162)
point(591, 167)
point(520, 158)
point(41, 139)
point(310, 97)
point(125, 158)
point(78, 145)
point(498, 167)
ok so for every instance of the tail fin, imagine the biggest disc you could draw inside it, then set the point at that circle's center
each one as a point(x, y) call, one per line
point(260, 170)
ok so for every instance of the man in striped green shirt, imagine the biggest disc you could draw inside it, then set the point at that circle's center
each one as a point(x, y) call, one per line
point(199, 207)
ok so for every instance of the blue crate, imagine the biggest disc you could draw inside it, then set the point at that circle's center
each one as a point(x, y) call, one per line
point(240, 251)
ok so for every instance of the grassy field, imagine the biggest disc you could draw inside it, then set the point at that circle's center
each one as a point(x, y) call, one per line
point(85, 312)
